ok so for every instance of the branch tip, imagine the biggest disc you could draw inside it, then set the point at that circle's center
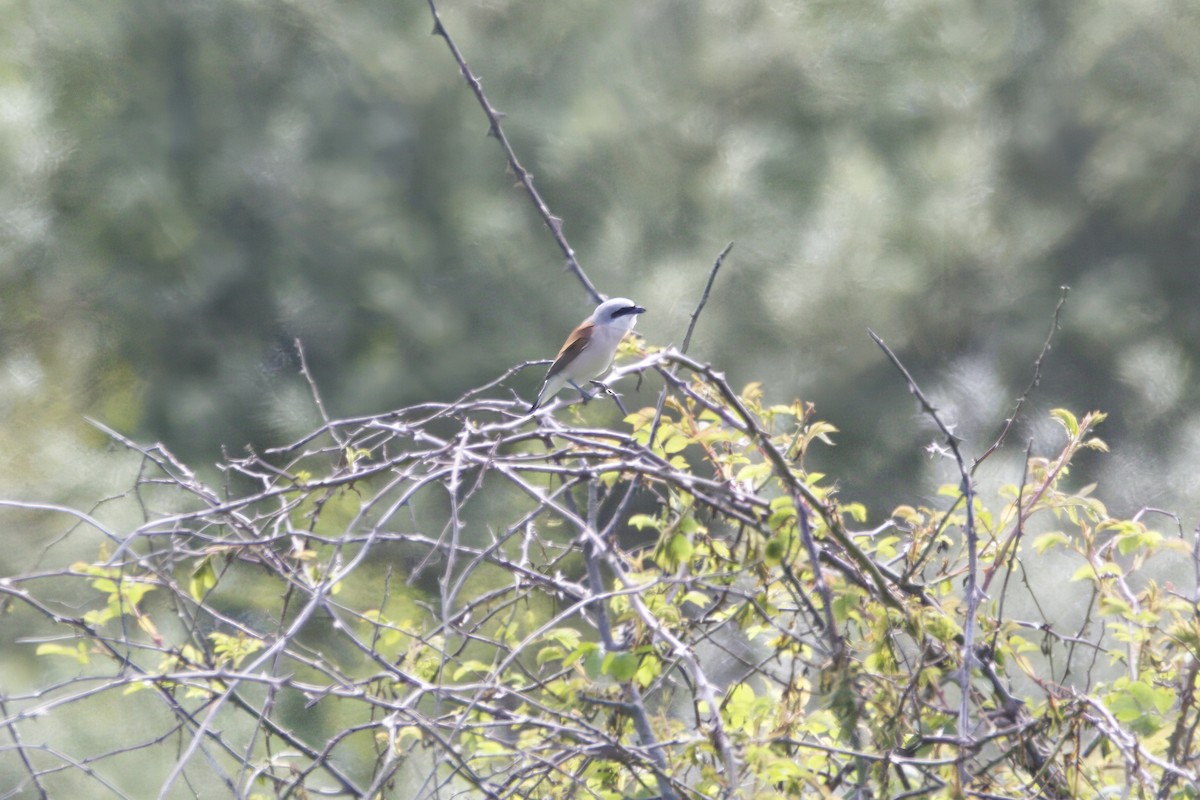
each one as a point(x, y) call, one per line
point(495, 132)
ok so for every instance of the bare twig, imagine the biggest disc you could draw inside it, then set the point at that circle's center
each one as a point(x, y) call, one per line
point(593, 548)
point(553, 222)
point(312, 385)
point(495, 671)
point(972, 591)
point(1033, 384)
point(712, 277)
point(687, 337)
point(1020, 531)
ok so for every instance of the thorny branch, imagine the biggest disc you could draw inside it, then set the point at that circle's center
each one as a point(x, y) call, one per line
point(441, 587)
point(969, 622)
point(414, 602)
point(495, 129)
point(1033, 384)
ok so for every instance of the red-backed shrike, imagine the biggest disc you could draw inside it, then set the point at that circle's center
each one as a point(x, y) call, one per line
point(589, 350)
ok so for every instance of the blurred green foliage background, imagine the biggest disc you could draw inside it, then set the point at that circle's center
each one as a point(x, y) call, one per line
point(187, 186)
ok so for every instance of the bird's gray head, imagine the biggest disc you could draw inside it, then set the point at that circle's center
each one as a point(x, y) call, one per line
point(619, 311)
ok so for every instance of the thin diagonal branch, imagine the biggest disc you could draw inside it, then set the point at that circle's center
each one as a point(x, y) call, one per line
point(687, 337)
point(1033, 384)
point(554, 223)
point(712, 277)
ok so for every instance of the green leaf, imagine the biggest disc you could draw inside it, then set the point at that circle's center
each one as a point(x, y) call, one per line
point(1067, 420)
point(640, 419)
point(549, 653)
point(233, 648)
point(753, 473)
point(643, 521)
point(133, 591)
point(676, 443)
point(821, 430)
point(775, 551)
point(680, 548)
point(689, 525)
point(204, 578)
point(885, 546)
point(753, 392)
point(97, 617)
point(1114, 606)
point(1084, 573)
point(738, 705)
point(620, 666)
point(1138, 539)
point(79, 652)
point(649, 668)
point(713, 434)
point(1047, 540)
point(472, 666)
point(857, 511)
point(584, 650)
point(846, 605)
point(567, 637)
point(781, 517)
point(1140, 705)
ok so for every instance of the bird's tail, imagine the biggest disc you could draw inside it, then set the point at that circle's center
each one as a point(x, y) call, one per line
point(550, 387)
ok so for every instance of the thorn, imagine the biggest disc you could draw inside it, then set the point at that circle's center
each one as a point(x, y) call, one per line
point(438, 30)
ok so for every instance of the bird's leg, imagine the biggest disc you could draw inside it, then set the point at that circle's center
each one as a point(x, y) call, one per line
point(579, 389)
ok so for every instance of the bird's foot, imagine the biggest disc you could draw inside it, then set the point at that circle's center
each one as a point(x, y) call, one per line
point(582, 392)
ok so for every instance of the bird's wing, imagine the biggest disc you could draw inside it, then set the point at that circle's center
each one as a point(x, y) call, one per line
point(576, 343)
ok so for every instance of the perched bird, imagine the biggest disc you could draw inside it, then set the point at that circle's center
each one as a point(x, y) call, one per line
point(589, 350)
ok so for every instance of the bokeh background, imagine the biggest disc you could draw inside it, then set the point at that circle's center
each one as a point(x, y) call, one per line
point(185, 187)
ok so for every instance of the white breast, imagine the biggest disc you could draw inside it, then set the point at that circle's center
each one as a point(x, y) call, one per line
point(596, 358)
